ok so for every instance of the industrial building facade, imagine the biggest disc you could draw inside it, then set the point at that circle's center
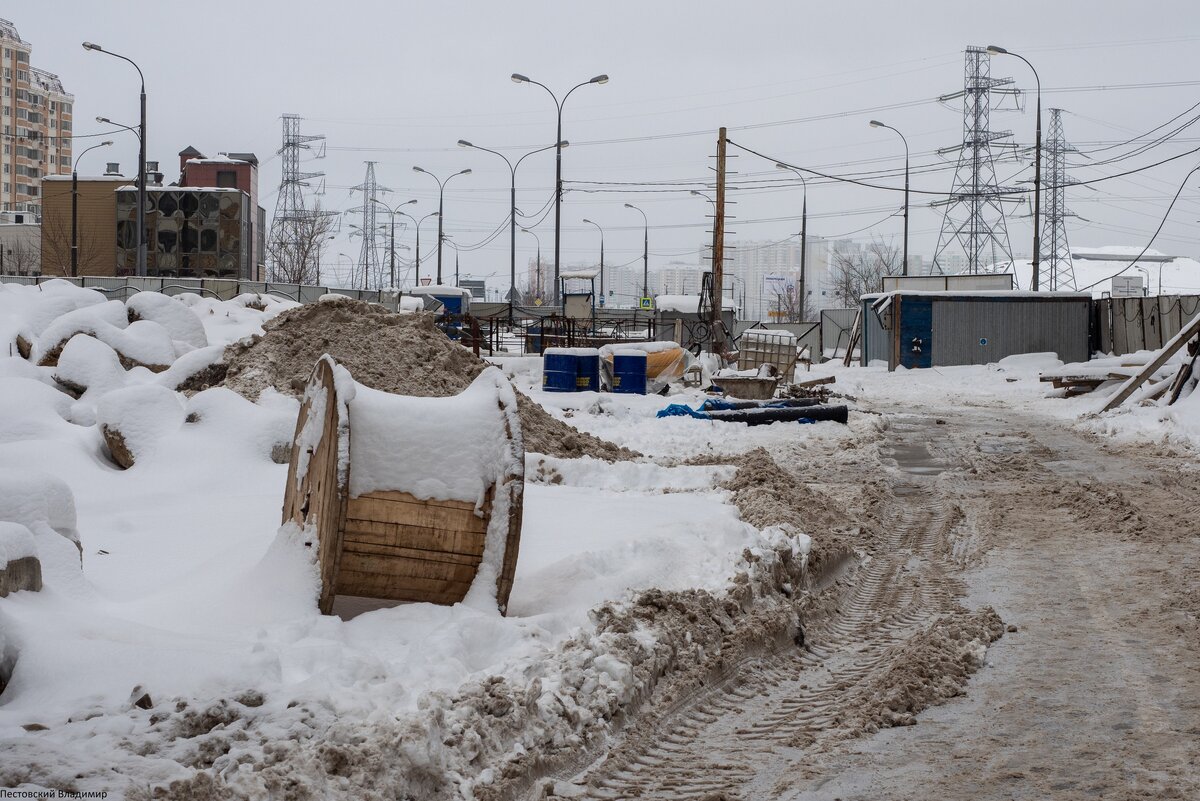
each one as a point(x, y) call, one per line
point(35, 117)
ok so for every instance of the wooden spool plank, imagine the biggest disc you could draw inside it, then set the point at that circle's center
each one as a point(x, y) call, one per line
point(350, 545)
point(318, 499)
point(368, 507)
point(415, 537)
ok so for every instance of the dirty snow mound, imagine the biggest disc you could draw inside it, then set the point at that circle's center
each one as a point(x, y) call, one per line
point(400, 353)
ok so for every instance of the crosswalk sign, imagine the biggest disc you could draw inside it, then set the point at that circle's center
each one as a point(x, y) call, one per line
point(646, 303)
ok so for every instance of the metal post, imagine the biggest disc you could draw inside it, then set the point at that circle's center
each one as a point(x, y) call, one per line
point(441, 194)
point(74, 217)
point(512, 232)
point(803, 250)
point(718, 257)
point(141, 209)
point(1037, 190)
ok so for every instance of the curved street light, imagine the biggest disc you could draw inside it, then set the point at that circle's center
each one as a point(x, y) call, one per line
point(75, 207)
point(512, 221)
point(601, 230)
point(878, 124)
point(558, 190)
point(441, 197)
point(141, 209)
point(537, 293)
point(392, 244)
point(995, 50)
point(645, 252)
point(803, 230)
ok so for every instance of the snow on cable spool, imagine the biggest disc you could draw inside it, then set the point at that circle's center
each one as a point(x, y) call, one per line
point(411, 499)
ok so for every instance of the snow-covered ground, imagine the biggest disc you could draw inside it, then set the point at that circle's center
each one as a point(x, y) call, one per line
point(190, 592)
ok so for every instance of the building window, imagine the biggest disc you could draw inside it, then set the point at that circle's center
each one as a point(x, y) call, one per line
point(22, 57)
point(7, 187)
point(227, 178)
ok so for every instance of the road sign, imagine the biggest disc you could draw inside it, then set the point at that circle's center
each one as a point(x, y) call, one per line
point(602, 301)
point(646, 303)
point(537, 301)
point(514, 296)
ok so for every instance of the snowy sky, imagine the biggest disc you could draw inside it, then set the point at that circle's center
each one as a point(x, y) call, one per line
point(400, 83)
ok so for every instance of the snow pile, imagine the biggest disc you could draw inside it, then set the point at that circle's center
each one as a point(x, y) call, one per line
point(135, 418)
point(87, 365)
point(16, 542)
point(182, 324)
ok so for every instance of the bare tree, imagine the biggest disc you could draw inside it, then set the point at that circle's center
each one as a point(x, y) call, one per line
point(22, 257)
point(789, 307)
point(857, 274)
point(295, 247)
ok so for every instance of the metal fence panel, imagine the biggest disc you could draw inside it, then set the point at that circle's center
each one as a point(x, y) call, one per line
point(983, 331)
point(223, 288)
point(836, 325)
point(876, 342)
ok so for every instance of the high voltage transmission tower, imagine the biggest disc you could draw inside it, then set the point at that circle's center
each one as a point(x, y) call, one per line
point(293, 226)
point(368, 255)
point(974, 211)
point(1057, 271)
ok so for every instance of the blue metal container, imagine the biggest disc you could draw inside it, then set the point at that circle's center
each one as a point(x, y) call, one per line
point(587, 367)
point(559, 371)
point(629, 373)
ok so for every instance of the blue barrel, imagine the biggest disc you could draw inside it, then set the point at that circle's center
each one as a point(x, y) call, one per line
point(587, 367)
point(629, 373)
point(559, 371)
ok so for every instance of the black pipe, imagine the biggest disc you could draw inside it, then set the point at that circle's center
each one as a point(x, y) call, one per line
point(767, 415)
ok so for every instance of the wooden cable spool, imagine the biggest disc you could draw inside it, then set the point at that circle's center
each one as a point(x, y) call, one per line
point(388, 543)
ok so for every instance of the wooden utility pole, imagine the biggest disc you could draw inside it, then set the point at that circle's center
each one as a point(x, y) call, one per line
point(715, 325)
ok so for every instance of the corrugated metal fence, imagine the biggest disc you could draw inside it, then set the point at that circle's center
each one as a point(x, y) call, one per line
point(1126, 325)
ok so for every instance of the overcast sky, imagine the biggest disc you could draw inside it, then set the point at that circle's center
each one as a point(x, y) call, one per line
point(400, 82)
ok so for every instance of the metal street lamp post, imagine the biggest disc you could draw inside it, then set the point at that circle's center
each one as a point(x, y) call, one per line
point(512, 211)
point(558, 190)
point(601, 230)
point(803, 232)
point(75, 208)
point(441, 197)
point(994, 50)
point(878, 124)
point(645, 252)
point(392, 212)
point(141, 209)
point(417, 276)
point(537, 292)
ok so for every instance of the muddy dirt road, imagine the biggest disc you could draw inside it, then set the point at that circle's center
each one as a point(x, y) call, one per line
point(1087, 553)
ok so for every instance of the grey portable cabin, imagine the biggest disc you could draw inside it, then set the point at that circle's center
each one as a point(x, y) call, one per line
point(913, 328)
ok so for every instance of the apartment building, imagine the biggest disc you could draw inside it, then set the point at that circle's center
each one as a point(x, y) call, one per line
point(35, 123)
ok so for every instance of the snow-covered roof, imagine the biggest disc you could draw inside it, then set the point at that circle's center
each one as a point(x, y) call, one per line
point(440, 289)
point(974, 293)
point(120, 178)
point(586, 274)
point(220, 158)
point(677, 303)
point(133, 188)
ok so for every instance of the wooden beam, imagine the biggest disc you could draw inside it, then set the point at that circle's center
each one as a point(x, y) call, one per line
point(1170, 349)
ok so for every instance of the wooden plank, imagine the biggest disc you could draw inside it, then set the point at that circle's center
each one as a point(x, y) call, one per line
point(420, 537)
point(404, 497)
point(396, 570)
point(812, 382)
point(1190, 330)
point(421, 546)
point(855, 335)
point(414, 589)
point(415, 514)
point(1085, 378)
